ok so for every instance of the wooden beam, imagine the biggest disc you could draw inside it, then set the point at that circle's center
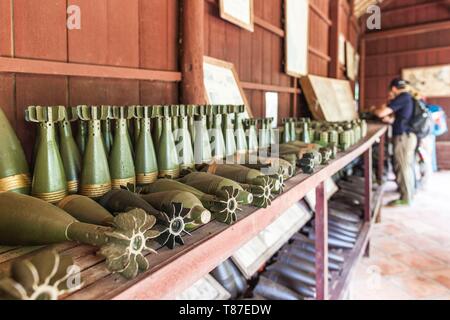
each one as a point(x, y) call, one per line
point(268, 87)
point(320, 14)
point(319, 54)
point(321, 241)
point(406, 52)
point(406, 31)
point(269, 27)
point(192, 86)
point(16, 65)
point(420, 6)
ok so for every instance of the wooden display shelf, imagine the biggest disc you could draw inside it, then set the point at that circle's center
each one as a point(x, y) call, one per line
point(173, 271)
point(341, 280)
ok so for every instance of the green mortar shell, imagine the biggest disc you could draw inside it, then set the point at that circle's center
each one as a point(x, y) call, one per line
point(191, 112)
point(264, 134)
point(252, 135)
point(217, 140)
point(167, 154)
point(305, 136)
point(51, 271)
point(242, 174)
point(121, 200)
point(212, 184)
point(286, 135)
point(70, 154)
point(146, 164)
point(287, 168)
point(241, 139)
point(307, 163)
point(95, 176)
point(107, 135)
point(82, 135)
point(121, 162)
point(183, 110)
point(14, 170)
point(333, 136)
point(220, 206)
point(323, 138)
point(86, 210)
point(334, 150)
point(326, 155)
point(49, 179)
point(364, 128)
point(202, 147)
point(163, 200)
point(293, 131)
point(28, 221)
point(183, 144)
point(157, 131)
point(228, 134)
point(171, 223)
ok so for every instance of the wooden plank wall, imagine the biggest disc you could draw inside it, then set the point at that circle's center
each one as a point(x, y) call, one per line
point(259, 56)
point(387, 57)
point(135, 38)
point(138, 34)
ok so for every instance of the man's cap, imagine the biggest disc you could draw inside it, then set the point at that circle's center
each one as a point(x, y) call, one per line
point(398, 83)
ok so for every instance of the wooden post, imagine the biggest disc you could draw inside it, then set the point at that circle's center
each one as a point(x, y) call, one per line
point(321, 231)
point(368, 191)
point(335, 11)
point(192, 86)
point(381, 159)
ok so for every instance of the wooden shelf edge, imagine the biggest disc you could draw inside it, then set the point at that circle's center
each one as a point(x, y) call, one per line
point(17, 65)
point(175, 271)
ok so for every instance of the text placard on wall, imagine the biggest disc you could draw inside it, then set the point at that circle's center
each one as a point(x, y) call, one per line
point(239, 12)
point(297, 36)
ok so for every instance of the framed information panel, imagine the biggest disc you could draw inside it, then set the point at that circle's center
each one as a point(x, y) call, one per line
point(329, 99)
point(222, 85)
point(350, 60)
point(297, 36)
point(239, 12)
point(431, 81)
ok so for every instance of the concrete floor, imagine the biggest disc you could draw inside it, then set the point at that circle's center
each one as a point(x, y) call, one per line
point(410, 252)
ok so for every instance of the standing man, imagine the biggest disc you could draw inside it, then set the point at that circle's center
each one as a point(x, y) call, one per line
point(399, 112)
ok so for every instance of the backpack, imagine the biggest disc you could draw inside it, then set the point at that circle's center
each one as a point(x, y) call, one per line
point(421, 123)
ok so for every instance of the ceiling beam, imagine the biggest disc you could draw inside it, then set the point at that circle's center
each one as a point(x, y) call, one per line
point(406, 31)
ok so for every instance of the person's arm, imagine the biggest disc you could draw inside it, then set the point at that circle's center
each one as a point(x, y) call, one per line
point(383, 112)
point(390, 119)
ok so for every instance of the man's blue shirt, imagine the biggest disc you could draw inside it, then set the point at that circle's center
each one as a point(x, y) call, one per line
point(403, 106)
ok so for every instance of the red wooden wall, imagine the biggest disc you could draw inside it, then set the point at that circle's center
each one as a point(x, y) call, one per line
point(259, 56)
point(127, 52)
point(386, 57)
point(138, 34)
